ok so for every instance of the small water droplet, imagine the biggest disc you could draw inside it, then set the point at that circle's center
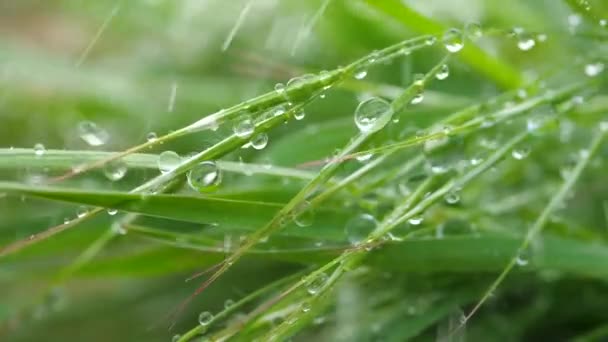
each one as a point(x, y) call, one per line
point(305, 307)
point(359, 228)
point(259, 141)
point(520, 153)
point(594, 69)
point(205, 318)
point(304, 215)
point(473, 31)
point(82, 211)
point(521, 261)
point(118, 228)
point(115, 170)
point(362, 158)
point(415, 221)
point(453, 40)
point(168, 161)
point(452, 197)
point(299, 114)
point(574, 20)
point(604, 126)
point(228, 303)
point(430, 40)
point(112, 212)
point(525, 42)
point(205, 177)
point(151, 137)
point(175, 338)
point(39, 150)
point(244, 127)
point(372, 115)
point(92, 134)
point(418, 98)
point(360, 74)
point(279, 88)
point(603, 22)
point(443, 73)
point(317, 284)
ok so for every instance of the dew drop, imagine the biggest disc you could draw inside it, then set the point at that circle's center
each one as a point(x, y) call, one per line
point(603, 22)
point(259, 141)
point(168, 161)
point(452, 197)
point(360, 74)
point(362, 158)
point(39, 150)
point(304, 215)
point(443, 73)
point(359, 228)
point(594, 69)
point(82, 211)
point(151, 137)
point(453, 40)
point(430, 40)
point(525, 42)
point(418, 98)
point(299, 114)
point(205, 177)
point(372, 115)
point(521, 261)
point(228, 303)
point(245, 127)
point(112, 212)
point(305, 307)
point(205, 318)
point(574, 20)
point(473, 31)
point(92, 134)
point(415, 221)
point(520, 153)
point(175, 338)
point(279, 88)
point(317, 284)
point(115, 170)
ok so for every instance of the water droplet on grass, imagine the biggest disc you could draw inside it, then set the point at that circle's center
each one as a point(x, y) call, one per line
point(304, 215)
point(115, 170)
point(372, 115)
point(259, 141)
point(82, 211)
point(453, 40)
point(414, 221)
point(360, 74)
point(92, 134)
point(151, 137)
point(228, 303)
point(205, 177)
point(525, 42)
point(473, 31)
point(168, 161)
point(520, 153)
point(245, 127)
point(443, 73)
point(317, 284)
point(594, 69)
point(39, 150)
point(205, 318)
point(358, 228)
point(112, 212)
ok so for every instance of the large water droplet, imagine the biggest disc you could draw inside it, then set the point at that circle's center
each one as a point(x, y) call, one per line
point(443, 72)
point(525, 42)
point(317, 284)
point(115, 170)
point(304, 215)
point(92, 134)
point(453, 40)
point(259, 141)
point(372, 115)
point(520, 153)
point(244, 127)
point(205, 318)
point(168, 161)
point(39, 150)
point(594, 69)
point(151, 137)
point(205, 177)
point(473, 31)
point(359, 228)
